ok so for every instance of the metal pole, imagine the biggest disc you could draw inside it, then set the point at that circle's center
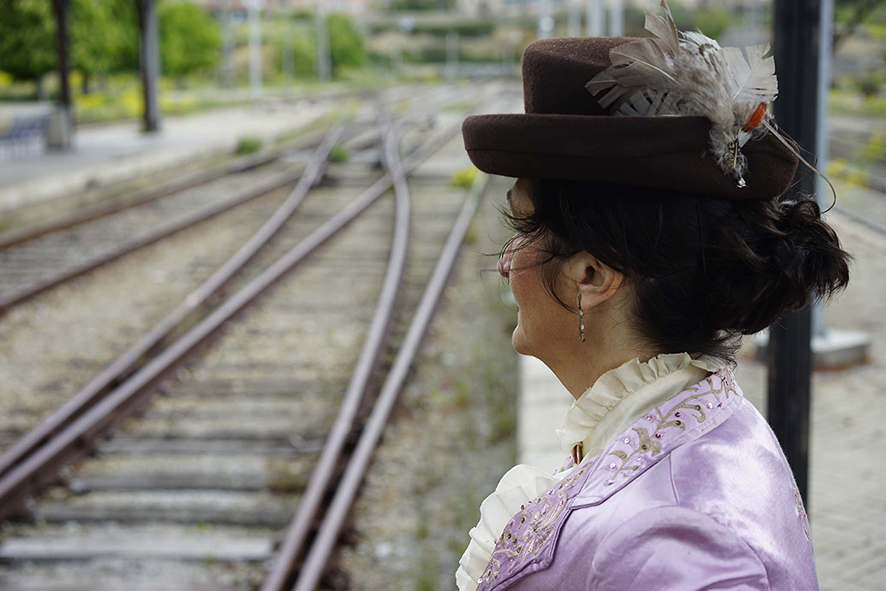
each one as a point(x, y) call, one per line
point(287, 49)
point(60, 8)
point(545, 20)
point(451, 54)
point(822, 192)
point(323, 60)
point(797, 24)
point(616, 18)
point(227, 43)
point(255, 66)
point(149, 58)
point(594, 18)
point(60, 136)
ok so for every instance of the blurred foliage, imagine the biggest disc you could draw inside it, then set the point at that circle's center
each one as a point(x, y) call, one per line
point(468, 29)
point(248, 145)
point(473, 28)
point(189, 38)
point(869, 83)
point(103, 38)
point(839, 168)
point(464, 177)
point(301, 54)
point(874, 149)
point(27, 38)
point(851, 101)
point(711, 21)
point(397, 5)
point(294, 41)
point(339, 153)
point(852, 15)
point(345, 43)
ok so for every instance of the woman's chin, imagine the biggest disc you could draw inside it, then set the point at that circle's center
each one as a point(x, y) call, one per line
point(518, 341)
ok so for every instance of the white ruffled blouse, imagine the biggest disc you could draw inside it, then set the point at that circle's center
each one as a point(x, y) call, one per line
point(616, 400)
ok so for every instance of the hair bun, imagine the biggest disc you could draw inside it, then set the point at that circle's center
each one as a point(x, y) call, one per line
point(702, 270)
point(789, 257)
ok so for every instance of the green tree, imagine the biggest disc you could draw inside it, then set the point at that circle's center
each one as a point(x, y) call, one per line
point(27, 38)
point(99, 38)
point(398, 5)
point(711, 21)
point(850, 15)
point(345, 43)
point(123, 13)
point(189, 38)
point(300, 49)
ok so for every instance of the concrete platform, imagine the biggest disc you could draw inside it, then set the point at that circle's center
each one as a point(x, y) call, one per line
point(833, 349)
point(119, 152)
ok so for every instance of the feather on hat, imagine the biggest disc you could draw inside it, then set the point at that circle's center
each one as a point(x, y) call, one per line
point(686, 73)
point(672, 111)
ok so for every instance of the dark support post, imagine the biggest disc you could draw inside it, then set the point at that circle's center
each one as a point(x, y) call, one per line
point(60, 9)
point(59, 135)
point(796, 50)
point(149, 61)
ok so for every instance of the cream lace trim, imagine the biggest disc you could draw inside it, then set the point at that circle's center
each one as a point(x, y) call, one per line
point(520, 485)
point(615, 401)
point(621, 395)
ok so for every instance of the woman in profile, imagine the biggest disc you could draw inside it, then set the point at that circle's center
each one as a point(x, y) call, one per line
point(650, 235)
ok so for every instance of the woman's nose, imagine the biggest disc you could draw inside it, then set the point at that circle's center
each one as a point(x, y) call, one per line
point(507, 255)
point(504, 264)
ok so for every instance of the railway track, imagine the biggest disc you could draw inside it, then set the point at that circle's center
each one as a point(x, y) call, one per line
point(38, 257)
point(206, 453)
point(84, 324)
point(58, 343)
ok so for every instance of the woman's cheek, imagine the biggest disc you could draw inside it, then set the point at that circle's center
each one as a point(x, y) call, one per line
point(523, 280)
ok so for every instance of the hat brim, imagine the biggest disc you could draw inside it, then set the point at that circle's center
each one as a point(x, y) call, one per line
point(660, 152)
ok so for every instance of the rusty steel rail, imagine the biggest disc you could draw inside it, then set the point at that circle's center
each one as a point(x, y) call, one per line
point(202, 214)
point(346, 491)
point(76, 438)
point(373, 345)
point(123, 365)
point(163, 189)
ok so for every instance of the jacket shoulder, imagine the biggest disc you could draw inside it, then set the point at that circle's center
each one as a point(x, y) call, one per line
point(672, 548)
point(738, 475)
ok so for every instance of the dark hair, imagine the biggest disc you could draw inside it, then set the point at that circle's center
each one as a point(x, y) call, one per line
point(704, 270)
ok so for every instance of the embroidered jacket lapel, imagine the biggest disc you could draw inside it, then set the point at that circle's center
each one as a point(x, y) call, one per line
point(681, 419)
point(527, 543)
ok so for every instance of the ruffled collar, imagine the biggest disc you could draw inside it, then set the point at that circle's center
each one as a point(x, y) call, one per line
point(615, 402)
point(621, 395)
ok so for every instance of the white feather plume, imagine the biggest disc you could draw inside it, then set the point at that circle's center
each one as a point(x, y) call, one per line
point(688, 73)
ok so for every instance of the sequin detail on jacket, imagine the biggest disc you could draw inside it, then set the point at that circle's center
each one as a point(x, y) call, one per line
point(701, 474)
point(531, 530)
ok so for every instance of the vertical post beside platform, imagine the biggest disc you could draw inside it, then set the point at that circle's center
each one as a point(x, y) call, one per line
point(149, 61)
point(59, 133)
point(796, 45)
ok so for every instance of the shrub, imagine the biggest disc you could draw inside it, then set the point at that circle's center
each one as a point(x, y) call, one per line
point(339, 153)
point(464, 177)
point(248, 145)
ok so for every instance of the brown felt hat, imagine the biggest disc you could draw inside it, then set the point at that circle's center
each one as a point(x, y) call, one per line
point(565, 134)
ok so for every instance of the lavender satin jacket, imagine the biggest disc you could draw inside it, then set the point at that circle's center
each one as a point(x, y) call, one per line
point(695, 495)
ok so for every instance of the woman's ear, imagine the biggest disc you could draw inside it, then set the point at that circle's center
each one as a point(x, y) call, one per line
point(595, 281)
